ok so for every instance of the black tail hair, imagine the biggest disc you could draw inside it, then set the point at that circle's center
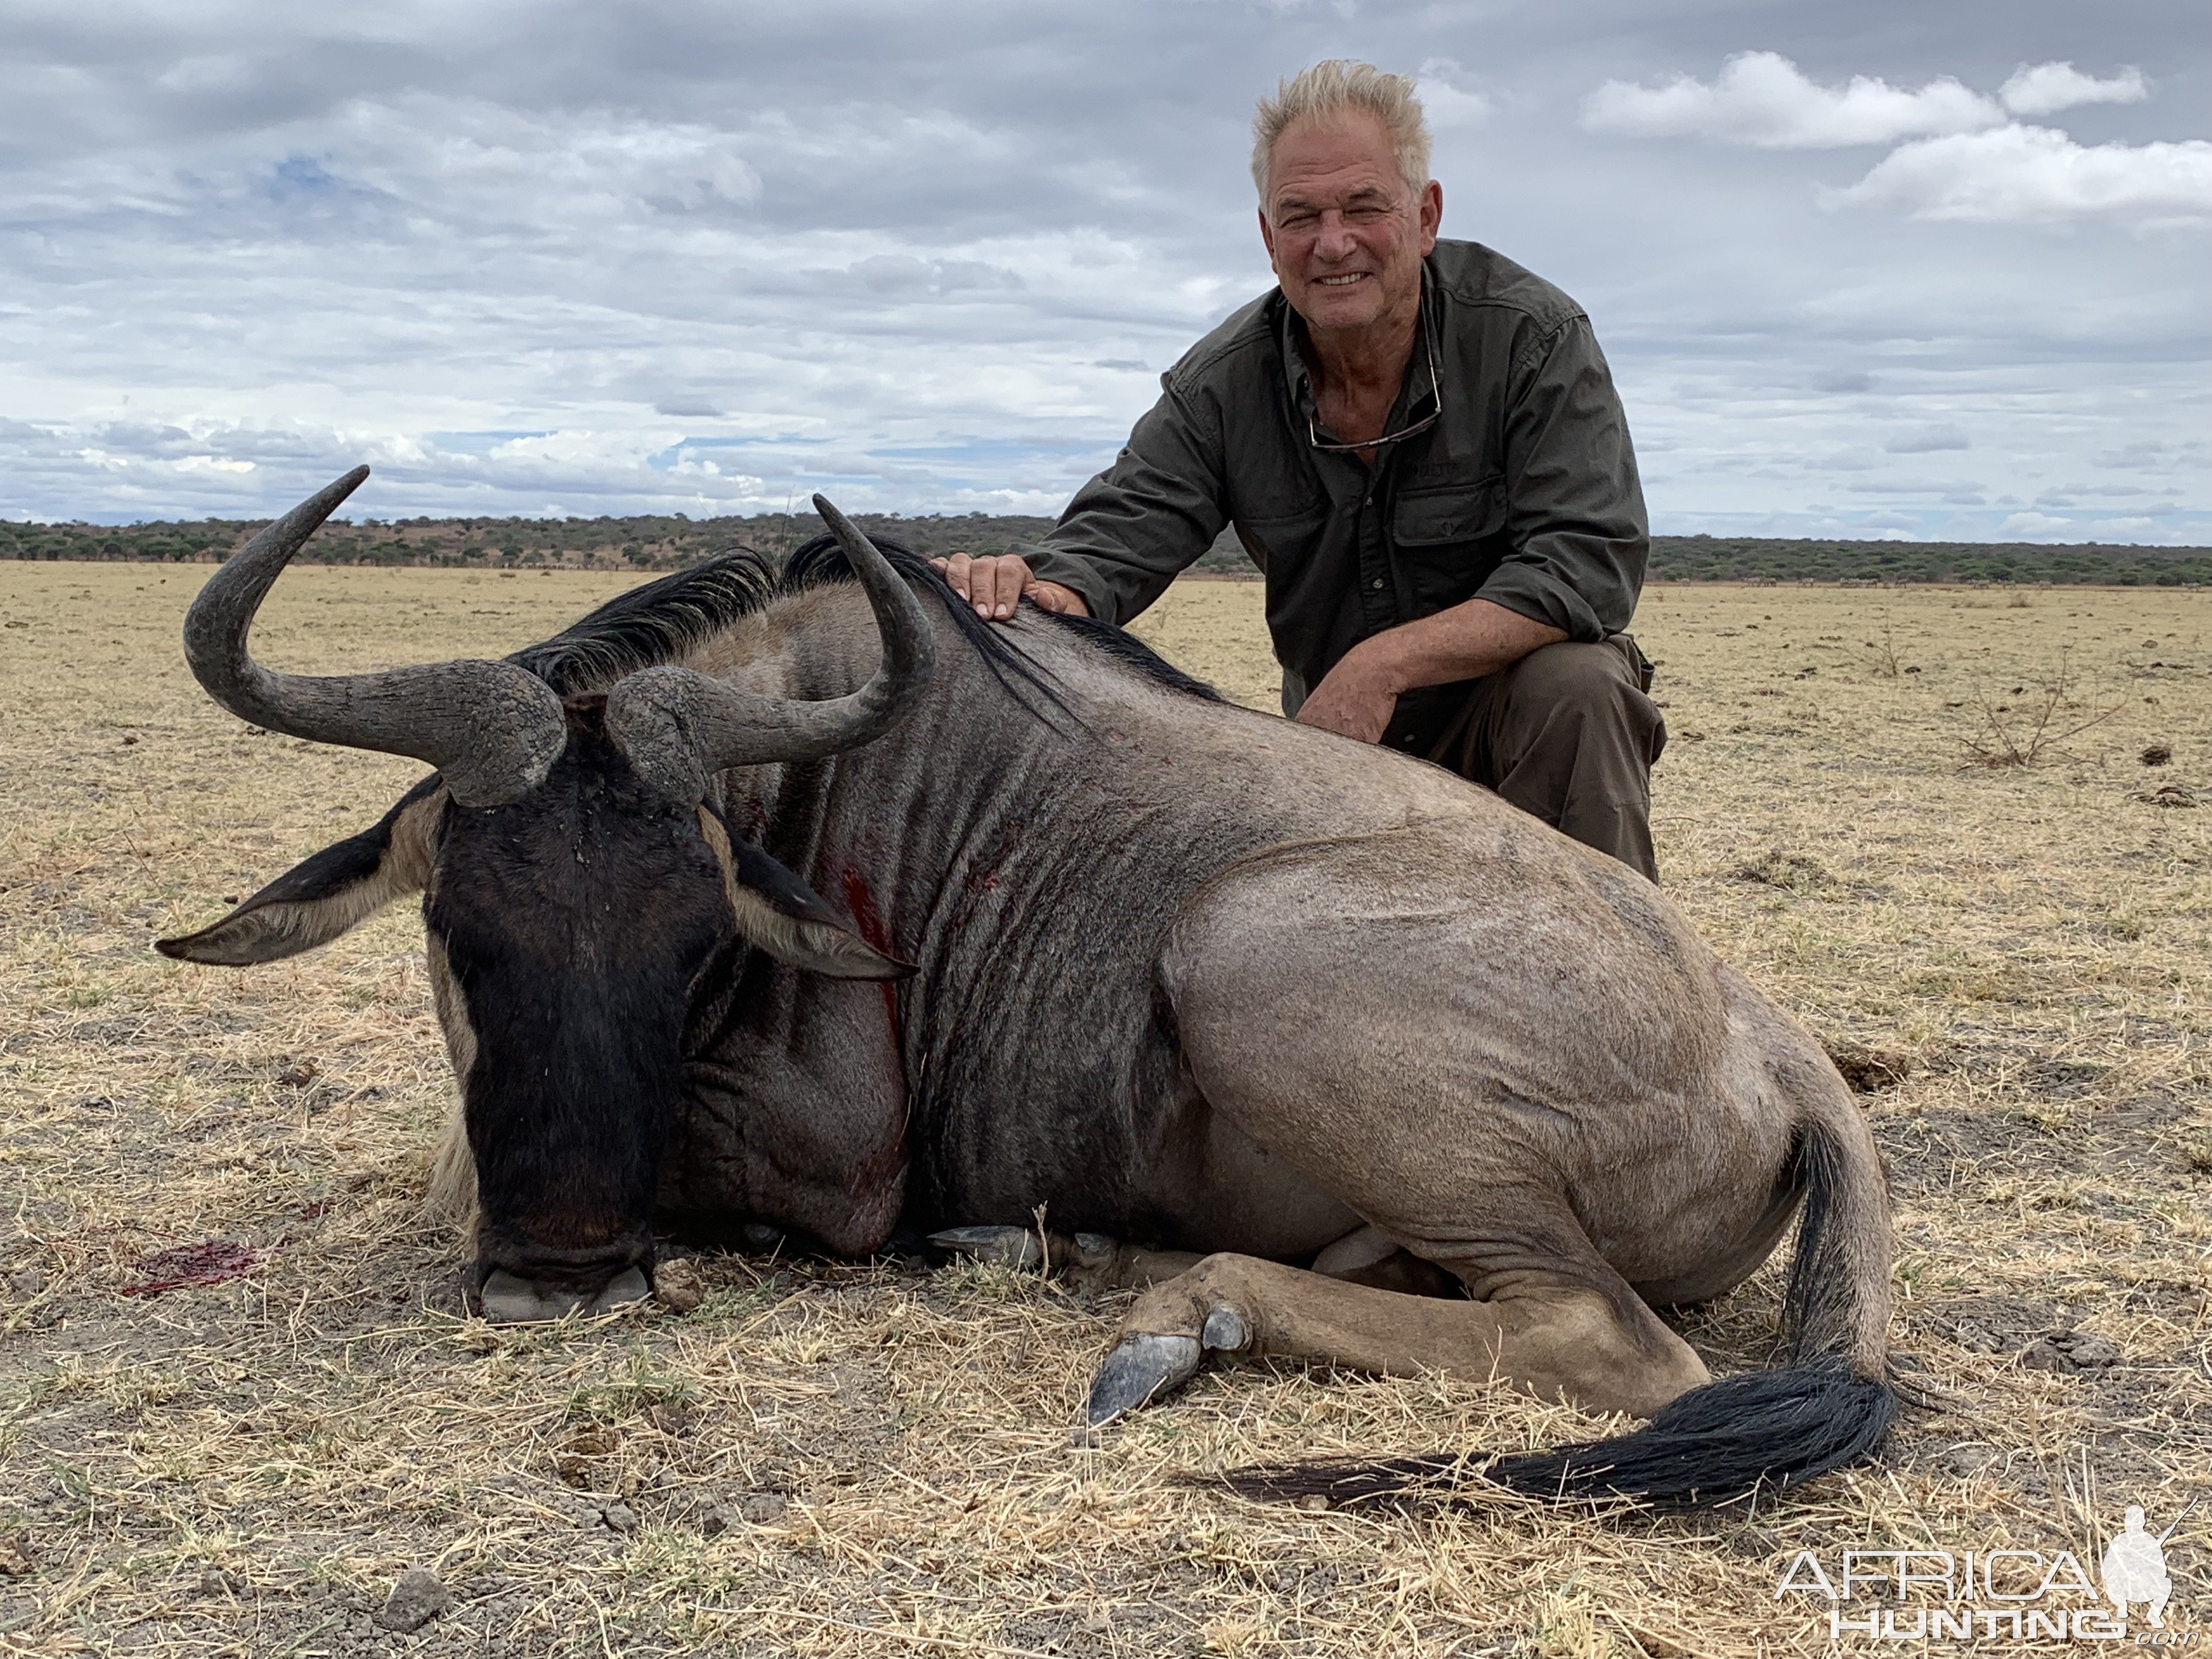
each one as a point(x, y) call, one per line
point(1732, 1441)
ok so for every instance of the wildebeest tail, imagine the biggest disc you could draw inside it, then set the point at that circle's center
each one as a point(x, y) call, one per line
point(1727, 1441)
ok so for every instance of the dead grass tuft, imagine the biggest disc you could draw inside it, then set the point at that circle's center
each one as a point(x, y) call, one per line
point(841, 1462)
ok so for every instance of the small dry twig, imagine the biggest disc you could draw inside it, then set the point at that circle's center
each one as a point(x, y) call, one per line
point(2039, 732)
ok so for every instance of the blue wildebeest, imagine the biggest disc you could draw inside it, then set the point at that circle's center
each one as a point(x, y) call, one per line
point(1288, 1032)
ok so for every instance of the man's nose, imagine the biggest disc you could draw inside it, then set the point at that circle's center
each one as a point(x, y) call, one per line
point(1336, 240)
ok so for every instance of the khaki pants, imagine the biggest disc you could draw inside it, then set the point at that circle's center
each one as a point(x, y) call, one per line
point(1567, 734)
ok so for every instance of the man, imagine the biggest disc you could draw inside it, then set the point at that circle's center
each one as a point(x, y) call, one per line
point(1418, 443)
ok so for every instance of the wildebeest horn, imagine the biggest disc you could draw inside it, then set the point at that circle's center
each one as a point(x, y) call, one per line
point(493, 730)
point(679, 726)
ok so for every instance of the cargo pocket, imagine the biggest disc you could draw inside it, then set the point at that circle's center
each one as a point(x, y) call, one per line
point(1449, 541)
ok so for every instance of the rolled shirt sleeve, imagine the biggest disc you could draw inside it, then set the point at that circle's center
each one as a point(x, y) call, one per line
point(1132, 529)
point(1575, 514)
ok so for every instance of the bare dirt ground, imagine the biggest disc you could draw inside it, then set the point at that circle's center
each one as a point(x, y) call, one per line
point(848, 1460)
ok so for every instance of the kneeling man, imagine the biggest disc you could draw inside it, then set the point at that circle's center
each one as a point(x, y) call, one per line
point(1420, 444)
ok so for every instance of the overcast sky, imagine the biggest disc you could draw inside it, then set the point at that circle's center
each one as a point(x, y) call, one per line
point(1886, 268)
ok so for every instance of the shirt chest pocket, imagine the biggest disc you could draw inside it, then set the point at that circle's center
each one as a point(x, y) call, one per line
point(1448, 541)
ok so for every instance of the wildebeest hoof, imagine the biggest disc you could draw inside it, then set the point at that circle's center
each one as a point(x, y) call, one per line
point(629, 1285)
point(1006, 1247)
point(1141, 1369)
point(510, 1299)
point(1224, 1330)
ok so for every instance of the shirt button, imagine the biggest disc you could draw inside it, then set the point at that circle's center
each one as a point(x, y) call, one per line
point(1377, 583)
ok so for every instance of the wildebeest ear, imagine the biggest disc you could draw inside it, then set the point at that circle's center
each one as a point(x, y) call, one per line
point(315, 901)
point(787, 918)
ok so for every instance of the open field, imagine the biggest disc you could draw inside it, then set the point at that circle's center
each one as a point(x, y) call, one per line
point(855, 1461)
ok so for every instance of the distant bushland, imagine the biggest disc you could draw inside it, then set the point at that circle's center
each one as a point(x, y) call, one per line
point(669, 542)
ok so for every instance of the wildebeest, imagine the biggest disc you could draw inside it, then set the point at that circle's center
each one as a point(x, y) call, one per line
point(784, 898)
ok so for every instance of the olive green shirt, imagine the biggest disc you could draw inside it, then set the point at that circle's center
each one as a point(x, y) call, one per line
point(1522, 491)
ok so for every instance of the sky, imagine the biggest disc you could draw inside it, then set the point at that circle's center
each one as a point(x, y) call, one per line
point(1893, 268)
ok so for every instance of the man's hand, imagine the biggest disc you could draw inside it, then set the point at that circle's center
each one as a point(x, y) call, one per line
point(1356, 697)
point(1359, 695)
point(996, 583)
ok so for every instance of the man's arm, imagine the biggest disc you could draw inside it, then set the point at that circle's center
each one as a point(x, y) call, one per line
point(1574, 506)
point(1127, 534)
point(1358, 696)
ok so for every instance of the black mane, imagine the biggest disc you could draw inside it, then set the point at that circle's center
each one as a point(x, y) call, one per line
point(1126, 648)
point(667, 616)
point(650, 625)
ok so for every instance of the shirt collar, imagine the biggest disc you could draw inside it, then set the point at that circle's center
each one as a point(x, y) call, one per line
point(1414, 394)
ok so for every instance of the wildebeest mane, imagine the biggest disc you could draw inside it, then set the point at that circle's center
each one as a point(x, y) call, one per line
point(1125, 648)
point(652, 625)
point(667, 616)
point(823, 560)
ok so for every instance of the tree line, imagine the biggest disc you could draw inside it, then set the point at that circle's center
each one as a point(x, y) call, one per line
point(672, 541)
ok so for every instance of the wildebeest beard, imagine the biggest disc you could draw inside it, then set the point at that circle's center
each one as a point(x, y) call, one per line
point(578, 925)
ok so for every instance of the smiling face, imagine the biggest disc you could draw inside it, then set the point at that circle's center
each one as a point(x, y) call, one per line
point(1345, 234)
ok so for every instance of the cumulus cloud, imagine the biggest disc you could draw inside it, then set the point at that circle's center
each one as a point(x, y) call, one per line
point(2017, 175)
point(704, 259)
point(2037, 526)
point(1763, 98)
point(1446, 98)
point(2046, 89)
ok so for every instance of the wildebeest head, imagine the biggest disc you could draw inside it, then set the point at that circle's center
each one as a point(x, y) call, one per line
point(582, 893)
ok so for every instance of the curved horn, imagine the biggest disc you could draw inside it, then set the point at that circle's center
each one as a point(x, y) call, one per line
point(493, 730)
point(679, 726)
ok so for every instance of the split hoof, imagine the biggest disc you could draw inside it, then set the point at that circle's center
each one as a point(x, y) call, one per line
point(1138, 1371)
point(510, 1299)
point(629, 1285)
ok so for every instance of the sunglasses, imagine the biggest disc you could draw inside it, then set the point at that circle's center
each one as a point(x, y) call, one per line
point(1436, 408)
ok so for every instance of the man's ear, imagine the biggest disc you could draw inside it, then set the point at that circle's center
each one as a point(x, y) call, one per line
point(343, 885)
point(787, 918)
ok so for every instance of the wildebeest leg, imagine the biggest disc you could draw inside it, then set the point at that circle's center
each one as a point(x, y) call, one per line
point(1366, 1256)
point(1565, 1335)
point(1091, 1260)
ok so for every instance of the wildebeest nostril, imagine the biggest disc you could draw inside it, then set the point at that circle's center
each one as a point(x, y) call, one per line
point(510, 1299)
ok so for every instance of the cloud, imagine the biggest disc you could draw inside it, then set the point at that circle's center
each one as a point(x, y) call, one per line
point(705, 258)
point(2017, 175)
point(1928, 440)
point(1445, 100)
point(2035, 526)
point(2046, 89)
point(1762, 99)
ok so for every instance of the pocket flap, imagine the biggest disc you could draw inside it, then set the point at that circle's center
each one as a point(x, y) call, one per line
point(1459, 513)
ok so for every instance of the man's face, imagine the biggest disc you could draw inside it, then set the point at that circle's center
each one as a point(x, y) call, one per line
point(1345, 235)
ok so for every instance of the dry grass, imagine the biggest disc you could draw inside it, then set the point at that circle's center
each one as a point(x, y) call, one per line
point(831, 1460)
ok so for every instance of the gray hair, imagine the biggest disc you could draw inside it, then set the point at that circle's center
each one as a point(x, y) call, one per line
point(1335, 87)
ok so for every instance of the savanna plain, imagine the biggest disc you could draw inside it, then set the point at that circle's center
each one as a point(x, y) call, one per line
point(1922, 819)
